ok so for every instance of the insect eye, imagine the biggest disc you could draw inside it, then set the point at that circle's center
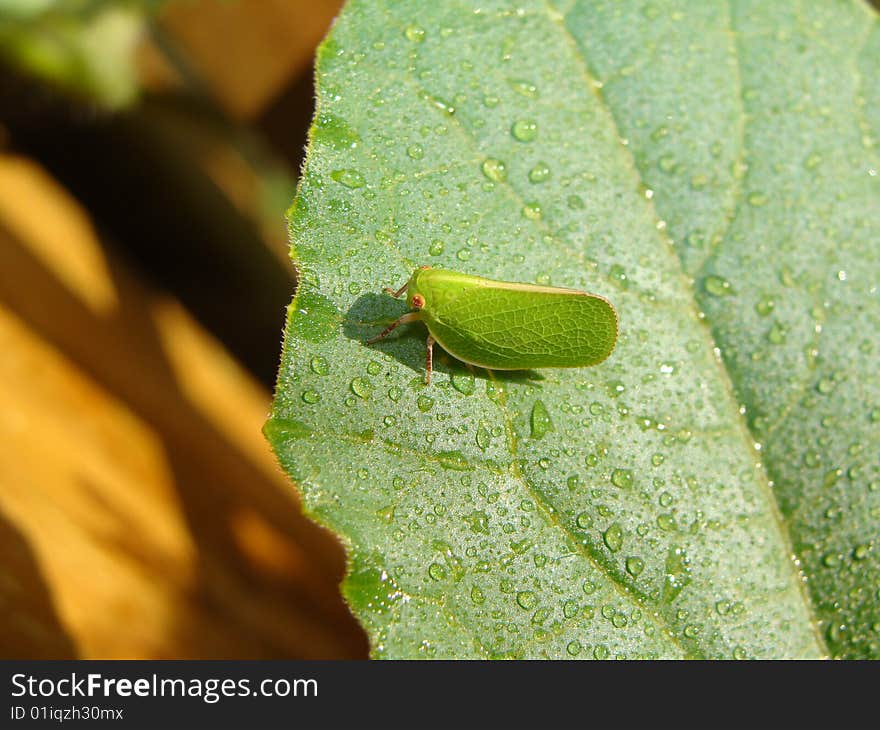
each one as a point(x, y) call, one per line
point(418, 301)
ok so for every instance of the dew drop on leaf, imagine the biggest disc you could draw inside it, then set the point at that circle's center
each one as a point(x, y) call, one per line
point(311, 396)
point(524, 88)
point(622, 478)
point(613, 537)
point(494, 170)
point(361, 387)
point(527, 599)
point(524, 130)
point(717, 286)
point(415, 33)
point(464, 383)
point(539, 173)
point(541, 423)
point(349, 178)
point(319, 365)
point(635, 566)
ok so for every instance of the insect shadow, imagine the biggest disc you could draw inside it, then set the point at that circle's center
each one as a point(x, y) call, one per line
point(371, 313)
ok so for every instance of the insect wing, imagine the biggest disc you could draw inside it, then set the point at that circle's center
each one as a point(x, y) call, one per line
point(514, 326)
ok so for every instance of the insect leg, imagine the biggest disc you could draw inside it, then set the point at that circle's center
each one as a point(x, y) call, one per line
point(396, 294)
point(429, 360)
point(409, 317)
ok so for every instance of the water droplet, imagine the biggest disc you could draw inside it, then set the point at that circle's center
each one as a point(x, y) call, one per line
point(717, 286)
point(436, 571)
point(524, 88)
point(584, 520)
point(740, 653)
point(436, 247)
point(439, 104)
point(814, 159)
point(613, 537)
point(757, 199)
point(860, 552)
point(495, 170)
point(527, 599)
point(541, 422)
point(415, 151)
point(659, 133)
point(484, 438)
point(825, 386)
point(635, 566)
point(722, 607)
point(311, 396)
point(691, 631)
point(463, 254)
point(394, 393)
point(618, 274)
point(477, 596)
point(415, 33)
point(786, 277)
point(319, 365)
point(539, 173)
point(478, 522)
point(374, 367)
point(765, 306)
point(677, 574)
point(616, 388)
point(316, 317)
point(464, 383)
point(622, 478)
point(575, 202)
point(361, 387)
point(657, 459)
point(532, 211)
point(667, 164)
point(574, 647)
point(666, 522)
point(335, 132)
point(425, 403)
point(600, 652)
point(494, 390)
point(524, 130)
point(349, 178)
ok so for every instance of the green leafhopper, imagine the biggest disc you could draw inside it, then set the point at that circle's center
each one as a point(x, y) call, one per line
point(501, 325)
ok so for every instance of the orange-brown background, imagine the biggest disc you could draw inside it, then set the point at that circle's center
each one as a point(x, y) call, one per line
point(143, 278)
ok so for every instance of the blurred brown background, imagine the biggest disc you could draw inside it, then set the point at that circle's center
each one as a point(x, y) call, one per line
point(143, 281)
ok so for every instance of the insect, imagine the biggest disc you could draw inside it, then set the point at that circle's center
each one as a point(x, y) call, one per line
point(500, 325)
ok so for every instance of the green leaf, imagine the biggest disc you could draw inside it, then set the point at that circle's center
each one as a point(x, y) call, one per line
point(709, 167)
point(83, 46)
